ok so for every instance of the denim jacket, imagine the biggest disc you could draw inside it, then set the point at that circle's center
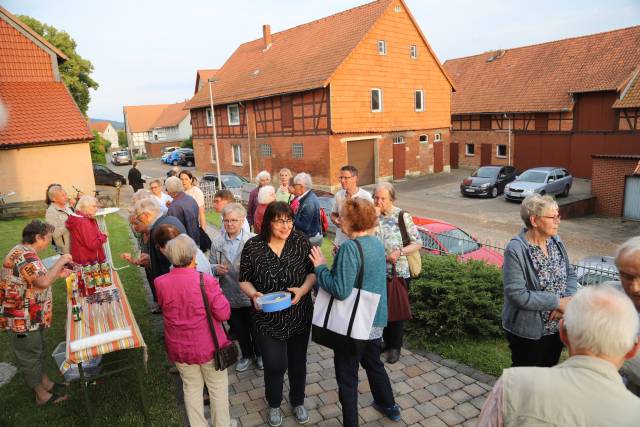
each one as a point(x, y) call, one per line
point(524, 301)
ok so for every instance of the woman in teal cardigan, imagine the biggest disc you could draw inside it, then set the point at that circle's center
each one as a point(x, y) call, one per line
point(357, 219)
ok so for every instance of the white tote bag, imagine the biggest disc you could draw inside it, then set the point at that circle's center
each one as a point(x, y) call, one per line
point(345, 325)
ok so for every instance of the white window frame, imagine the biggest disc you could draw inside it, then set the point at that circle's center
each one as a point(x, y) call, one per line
point(398, 139)
point(235, 122)
point(498, 155)
point(382, 47)
point(426, 139)
point(413, 51)
point(398, 8)
point(208, 117)
point(379, 109)
point(294, 155)
point(213, 153)
point(466, 150)
point(437, 137)
point(236, 148)
point(415, 100)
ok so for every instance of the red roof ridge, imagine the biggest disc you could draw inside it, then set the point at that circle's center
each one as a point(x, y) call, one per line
point(30, 30)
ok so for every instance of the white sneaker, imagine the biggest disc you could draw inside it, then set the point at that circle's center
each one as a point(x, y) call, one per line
point(243, 365)
point(275, 417)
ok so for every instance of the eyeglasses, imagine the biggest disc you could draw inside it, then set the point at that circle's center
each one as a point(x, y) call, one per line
point(230, 221)
point(344, 178)
point(555, 218)
point(628, 277)
point(283, 222)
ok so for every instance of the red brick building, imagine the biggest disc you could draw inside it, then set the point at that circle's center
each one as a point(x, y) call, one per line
point(362, 87)
point(616, 185)
point(555, 103)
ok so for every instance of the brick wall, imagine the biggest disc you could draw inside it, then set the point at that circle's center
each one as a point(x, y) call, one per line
point(154, 150)
point(477, 138)
point(608, 183)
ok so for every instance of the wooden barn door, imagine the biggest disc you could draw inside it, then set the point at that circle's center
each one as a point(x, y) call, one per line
point(399, 154)
point(438, 156)
point(485, 154)
point(360, 154)
point(454, 155)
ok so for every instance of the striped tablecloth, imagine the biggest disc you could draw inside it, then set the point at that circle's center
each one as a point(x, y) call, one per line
point(96, 320)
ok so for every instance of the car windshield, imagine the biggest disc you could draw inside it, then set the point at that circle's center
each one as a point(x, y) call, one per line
point(486, 173)
point(533, 176)
point(457, 242)
point(231, 181)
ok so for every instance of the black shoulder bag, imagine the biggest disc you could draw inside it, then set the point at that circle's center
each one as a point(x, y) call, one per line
point(227, 355)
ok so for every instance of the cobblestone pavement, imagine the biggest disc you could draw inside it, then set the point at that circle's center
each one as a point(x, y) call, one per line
point(431, 392)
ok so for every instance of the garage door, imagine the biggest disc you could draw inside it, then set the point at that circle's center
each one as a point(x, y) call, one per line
point(360, 155)
point(632, 197)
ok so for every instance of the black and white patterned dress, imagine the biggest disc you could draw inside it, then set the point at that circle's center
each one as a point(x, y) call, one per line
point(270, 273)
point(552, 274)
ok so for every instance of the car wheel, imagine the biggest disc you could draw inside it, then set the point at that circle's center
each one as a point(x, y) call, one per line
point(174, 163)
point(117, 183)
point(494, 192)
point(189, 163)
point(565, 193)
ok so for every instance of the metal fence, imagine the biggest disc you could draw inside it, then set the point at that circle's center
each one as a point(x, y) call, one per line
point(492, 252)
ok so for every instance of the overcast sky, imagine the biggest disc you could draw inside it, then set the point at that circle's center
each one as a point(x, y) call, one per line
point(147, 51)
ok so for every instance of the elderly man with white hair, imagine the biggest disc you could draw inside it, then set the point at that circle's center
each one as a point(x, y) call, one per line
point(599, 328)
point(184, 207)
point(307, 217)
point(263, 178)
point(149, 214)
point(57, 214)
point(628, 263)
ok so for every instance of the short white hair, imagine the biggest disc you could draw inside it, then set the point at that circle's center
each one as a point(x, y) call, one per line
point(601, 320)
point(304, 179)
point(266, 194)
point(630, 247)
point(384, 185)
point(181, 250)
point(535, 205)
point(53, 191)
point(141, 194)
point(263, 175)
point(234, 208)
point(150, 206)
point(173, 185)
point(85, 201)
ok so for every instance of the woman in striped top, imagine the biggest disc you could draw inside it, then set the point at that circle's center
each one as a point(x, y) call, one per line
point(278, 260)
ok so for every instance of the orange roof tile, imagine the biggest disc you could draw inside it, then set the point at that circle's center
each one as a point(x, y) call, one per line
point(543, 76)
point(171, 116)
point(300, 58)
point(140, 118)
point(202, 76)
point(99, 126)
point(28, 29)
point(41, 112)
point(630, 94)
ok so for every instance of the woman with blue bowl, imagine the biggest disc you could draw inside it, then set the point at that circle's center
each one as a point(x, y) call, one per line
point(277, 260)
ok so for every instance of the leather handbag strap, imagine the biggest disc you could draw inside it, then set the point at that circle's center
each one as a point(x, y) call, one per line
point(403, 229)
point(209, 316)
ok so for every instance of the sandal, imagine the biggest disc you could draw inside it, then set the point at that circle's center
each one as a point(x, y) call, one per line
point(53, 400)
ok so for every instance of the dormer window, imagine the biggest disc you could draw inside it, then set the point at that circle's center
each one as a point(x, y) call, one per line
point(382, 47)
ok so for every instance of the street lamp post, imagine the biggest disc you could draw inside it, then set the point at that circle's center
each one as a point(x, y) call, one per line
point(215, 136)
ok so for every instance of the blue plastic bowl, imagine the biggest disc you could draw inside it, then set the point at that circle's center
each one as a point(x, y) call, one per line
point(275, 301)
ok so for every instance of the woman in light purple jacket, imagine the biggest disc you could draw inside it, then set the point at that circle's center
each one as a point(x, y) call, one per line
point(187, 334)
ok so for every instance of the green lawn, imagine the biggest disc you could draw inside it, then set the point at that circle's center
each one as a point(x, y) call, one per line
point(115, 398)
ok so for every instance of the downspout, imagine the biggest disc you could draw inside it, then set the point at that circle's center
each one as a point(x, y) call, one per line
point(246, 120)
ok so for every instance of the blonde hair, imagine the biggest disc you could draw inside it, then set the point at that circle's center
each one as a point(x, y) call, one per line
point(535, 205)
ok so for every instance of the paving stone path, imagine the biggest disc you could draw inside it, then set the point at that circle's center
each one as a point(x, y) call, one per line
point(431, 392)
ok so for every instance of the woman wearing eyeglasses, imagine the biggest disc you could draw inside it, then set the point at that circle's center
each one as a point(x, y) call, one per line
point(278, 260)
point(539, 281)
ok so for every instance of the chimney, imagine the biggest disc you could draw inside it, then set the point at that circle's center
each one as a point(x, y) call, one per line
point(266, 36)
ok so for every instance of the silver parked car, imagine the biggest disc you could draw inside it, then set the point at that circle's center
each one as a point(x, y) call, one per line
point(543, 180)
point(120, 158)
point(594, 270)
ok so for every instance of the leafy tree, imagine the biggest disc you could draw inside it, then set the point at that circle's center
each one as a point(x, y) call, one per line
point(122, 139)
point(99, 146)
point(76, 71)
point(187, 143)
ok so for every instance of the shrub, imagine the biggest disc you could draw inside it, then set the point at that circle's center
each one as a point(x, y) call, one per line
point(453, 299)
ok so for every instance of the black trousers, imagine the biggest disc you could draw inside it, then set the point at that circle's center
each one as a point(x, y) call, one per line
point(393, 333)
point(279, 356)
point(347, 377)
point(544, 352)
point(243, 328)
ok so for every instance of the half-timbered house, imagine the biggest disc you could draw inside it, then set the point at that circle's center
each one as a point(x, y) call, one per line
point(362, 86)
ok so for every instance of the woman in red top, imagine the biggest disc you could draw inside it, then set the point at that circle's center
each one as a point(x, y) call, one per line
point(266, 195)
point(86, 237)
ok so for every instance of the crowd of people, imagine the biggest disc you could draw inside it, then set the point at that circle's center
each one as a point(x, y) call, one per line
point(200, 282)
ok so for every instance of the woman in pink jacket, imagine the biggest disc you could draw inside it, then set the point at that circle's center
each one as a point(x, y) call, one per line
point(187, 335)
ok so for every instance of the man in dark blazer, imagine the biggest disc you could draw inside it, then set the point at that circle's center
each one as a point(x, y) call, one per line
point(184, 207)
point(135, 178)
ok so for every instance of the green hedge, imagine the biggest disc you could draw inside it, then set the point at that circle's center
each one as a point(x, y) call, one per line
point(455, 299)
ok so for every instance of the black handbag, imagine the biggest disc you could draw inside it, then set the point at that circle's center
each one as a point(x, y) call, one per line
point(223, 357)
point(205, 241)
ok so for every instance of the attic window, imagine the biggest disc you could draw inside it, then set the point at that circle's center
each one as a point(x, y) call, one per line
point(496, 55)
point(382, 47)
point(397, 9)
point(413, 51)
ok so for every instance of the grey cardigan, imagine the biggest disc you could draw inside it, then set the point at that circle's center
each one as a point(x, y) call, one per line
point(229, 282)
point(524, 301)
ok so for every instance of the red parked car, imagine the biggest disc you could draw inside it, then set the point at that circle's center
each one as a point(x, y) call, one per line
point(442, 238)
